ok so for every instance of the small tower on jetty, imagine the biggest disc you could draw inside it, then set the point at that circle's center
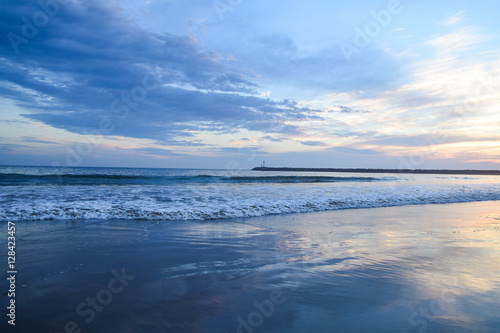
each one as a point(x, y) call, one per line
point(263, 165)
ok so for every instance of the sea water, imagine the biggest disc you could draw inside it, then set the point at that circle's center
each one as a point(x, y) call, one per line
point(63, 193)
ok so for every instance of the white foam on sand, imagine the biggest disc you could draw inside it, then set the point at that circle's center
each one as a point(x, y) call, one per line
point(222, 201)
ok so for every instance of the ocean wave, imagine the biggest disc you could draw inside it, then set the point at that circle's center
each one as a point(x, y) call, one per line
point(143, 205)
point(12, 179)
point(301, 179)
point(70, 176)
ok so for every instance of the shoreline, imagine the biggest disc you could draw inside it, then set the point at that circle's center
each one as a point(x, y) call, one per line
point(356, 270)
point(235, 219)
point(397, 171)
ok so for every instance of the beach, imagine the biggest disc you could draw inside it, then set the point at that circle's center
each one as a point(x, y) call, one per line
point(249, 166)
point(417, 268)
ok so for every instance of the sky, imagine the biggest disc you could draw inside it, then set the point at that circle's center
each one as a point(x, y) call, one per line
point(227, 84)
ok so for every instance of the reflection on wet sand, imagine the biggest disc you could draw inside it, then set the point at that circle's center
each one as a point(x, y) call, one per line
point(402, 269)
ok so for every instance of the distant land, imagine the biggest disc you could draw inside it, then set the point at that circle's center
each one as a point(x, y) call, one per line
point(360, 170)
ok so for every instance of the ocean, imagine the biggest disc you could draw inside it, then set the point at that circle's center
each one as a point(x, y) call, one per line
point(91, 193)
point(183, 250)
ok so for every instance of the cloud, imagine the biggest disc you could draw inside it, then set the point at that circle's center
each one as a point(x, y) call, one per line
point(314, 143)
point(462, 39)
point(5, 147)
point(356, 151)
point(452, 91)
point(346, 109)
point(36, 140)
point(250, 151)
point(428, 139)
point(281, 60)
point(273, 139)
point(455, 19)
point(90, 62)
point(155, 152)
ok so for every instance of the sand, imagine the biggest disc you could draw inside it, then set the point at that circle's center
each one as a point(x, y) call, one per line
point(429, 268)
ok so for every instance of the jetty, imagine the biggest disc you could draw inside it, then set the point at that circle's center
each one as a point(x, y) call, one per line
point(363, 170)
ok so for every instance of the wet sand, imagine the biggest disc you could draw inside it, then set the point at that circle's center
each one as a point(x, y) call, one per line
point(429, 268)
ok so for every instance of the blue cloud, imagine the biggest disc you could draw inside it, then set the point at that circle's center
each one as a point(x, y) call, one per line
point(324, 70)
point(90, 62)
point(313, 143)
point(273, 139)
point(346, 109)
point(349, 150)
